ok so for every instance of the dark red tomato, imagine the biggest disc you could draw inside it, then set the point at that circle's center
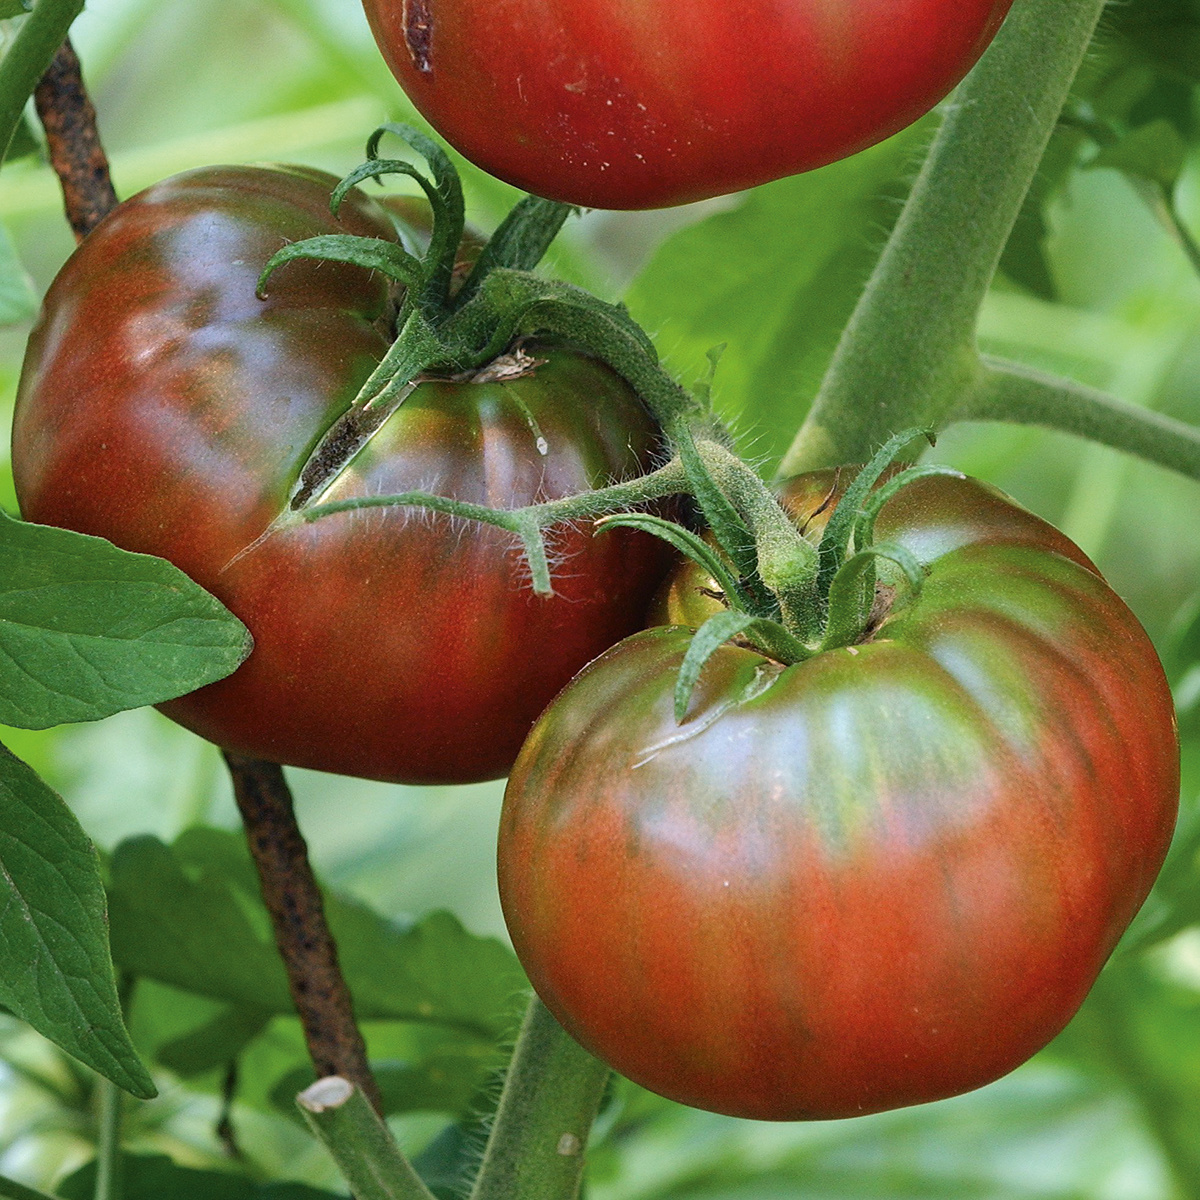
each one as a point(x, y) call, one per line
point(647, 103)
point(883, 876)
point(166, 408)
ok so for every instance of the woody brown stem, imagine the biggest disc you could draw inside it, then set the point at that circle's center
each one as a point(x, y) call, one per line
point(294, 901)
point(76, 154)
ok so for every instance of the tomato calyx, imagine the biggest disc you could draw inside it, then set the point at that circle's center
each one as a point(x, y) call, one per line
point(467, 321)
point(828, 596)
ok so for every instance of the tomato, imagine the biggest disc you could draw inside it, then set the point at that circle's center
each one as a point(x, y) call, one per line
point(165, 407)
point(653, 103)
point(882, 876)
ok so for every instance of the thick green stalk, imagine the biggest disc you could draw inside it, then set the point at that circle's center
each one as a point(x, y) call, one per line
point(28, 57)
point(786, 561)
point(360, 1143)
point(1009, 391)
point(908, 352)
point(550, 1099)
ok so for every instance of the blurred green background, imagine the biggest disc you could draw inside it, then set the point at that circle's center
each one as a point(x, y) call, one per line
point(1094, 285)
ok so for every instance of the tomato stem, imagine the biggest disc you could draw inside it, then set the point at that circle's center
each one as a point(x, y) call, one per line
point(529, 522)
point(785, 561)
point(32, 51)
point(551, 1096)
point(908, 354)
point(73, 143)
point(293, 899)
point(108, 1145)
point(1010, 391)
point(359, 1142)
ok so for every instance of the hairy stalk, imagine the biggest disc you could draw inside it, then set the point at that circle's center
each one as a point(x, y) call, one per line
point(908, 353)
point(668, 480)
point(293, 899)
point(359, 1142)
point(787, 561)
point(1009, 391)
point(550, 1099)
point(30, 54)
point(78, 158)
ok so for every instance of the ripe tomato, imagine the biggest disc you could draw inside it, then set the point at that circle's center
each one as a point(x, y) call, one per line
point(882, 876)
point(647, 104)
point(166, 408)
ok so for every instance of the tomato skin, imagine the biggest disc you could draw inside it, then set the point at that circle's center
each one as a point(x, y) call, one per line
point(881, 877)
point(654, 103)
point(166, 408)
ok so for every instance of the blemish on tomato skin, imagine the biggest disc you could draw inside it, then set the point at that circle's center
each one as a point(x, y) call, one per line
point(418, 32)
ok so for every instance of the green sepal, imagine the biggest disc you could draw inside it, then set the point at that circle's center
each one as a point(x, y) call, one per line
point(377, 168)
point(416, 348)
point(852, 593)
point(1154, 152)
point(686, 542)
point(768, 636)
point(835, 542)
point(520, 241)
point(449, 210)
point(374, 254)
point(510, 302)
point(864, 525)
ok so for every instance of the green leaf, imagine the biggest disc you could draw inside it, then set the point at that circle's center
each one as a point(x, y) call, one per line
point(55, 969)
point(87, 630)
point(1154, 152)
point(24, 142)
point(776, 279)
point(1024, 260)
point(13, 8)
point(156, 1177)
point(1162, 33)
point(216, 1043)
point(448, 1163)
point(191, 916)
point(18, 300)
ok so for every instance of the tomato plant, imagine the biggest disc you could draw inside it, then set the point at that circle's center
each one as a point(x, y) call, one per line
point(881, 876)
point(857, 829)
point(165, 407)
point(652, 104)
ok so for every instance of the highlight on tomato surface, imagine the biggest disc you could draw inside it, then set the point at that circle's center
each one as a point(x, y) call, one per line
point(884, 874)
point(655, 103)
point(167, 407)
